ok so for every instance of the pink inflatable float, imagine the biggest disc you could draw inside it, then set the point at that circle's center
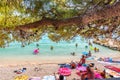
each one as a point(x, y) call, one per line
point(36, 51)
point(64, 71)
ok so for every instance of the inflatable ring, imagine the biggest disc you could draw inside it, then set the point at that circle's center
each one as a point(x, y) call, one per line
point(36, 51)
point(64, 71)
point(91, 48)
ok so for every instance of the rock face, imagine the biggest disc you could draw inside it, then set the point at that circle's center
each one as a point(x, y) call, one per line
point(110, 43)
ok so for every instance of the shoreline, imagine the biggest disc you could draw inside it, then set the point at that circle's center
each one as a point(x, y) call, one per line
point(46, 68)
point(12, 61)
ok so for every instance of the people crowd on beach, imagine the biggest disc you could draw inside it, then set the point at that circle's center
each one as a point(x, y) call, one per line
point(90, 71)
point(89, 74)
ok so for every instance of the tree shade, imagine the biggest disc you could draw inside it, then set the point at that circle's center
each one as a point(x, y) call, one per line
point(27, 20)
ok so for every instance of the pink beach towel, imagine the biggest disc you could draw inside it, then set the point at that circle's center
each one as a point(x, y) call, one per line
point(97, 75)
point(35, 78)
point(81, 68)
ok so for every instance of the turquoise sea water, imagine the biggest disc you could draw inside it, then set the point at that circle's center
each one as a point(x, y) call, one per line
point(61, 48)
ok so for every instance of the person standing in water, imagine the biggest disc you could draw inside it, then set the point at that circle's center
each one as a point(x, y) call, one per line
point(76, 45)
point(37, 45)
point(90, 44)
point(89, 54)
point(51, 47)
point(86, 47)
point(73, 54)
point(95, 49)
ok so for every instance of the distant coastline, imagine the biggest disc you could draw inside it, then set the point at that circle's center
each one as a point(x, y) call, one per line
point(110, 43)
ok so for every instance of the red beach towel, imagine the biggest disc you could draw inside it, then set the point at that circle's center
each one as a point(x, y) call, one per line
point(113, 68)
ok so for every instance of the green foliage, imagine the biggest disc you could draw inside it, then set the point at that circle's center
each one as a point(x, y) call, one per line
point(19, 12)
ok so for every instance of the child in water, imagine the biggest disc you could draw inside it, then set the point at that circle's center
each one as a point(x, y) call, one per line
point(73, 54)
point(36, 51)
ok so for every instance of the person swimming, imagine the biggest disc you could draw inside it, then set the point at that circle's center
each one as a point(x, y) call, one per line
point(51, 47)
point(89, 54)
point(73, 54)
point(86, 47)
point(76, 45)
point(37, 45)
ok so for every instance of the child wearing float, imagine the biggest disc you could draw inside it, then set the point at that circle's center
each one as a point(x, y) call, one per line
point(36, 51)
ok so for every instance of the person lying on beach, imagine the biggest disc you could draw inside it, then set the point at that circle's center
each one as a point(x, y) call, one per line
point(100, 74)
point(107, 59)
point(20, 71)
point(73, 65)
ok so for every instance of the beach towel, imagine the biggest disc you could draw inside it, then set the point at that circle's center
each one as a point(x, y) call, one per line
point(81, 68)
point(79, 73)
point(113, 73)
point(113, 68)
point(50, 77)
point(116, 61)
point(90, 58)
point(22, 77)
point(103, 62)
point(35, 78)
point(110, 61)
point(65, 66)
